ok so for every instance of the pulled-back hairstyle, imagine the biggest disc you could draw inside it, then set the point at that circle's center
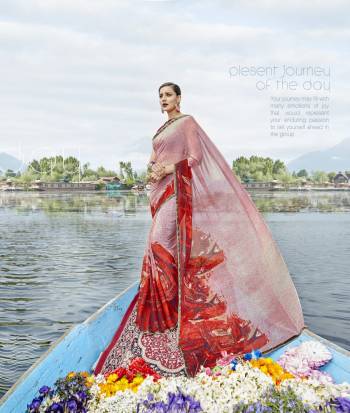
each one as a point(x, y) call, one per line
point(175, 87)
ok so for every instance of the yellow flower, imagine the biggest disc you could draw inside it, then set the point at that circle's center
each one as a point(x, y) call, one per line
point(71, 375)
point(89, 381)
point(272, 369)
point(112, 378)
point(138, 380)
point(123, 386)
point(264, 369)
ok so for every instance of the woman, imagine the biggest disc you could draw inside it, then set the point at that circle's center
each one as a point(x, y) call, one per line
point(212, 277)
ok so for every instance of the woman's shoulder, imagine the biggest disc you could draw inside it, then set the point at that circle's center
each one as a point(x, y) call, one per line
point(187, 118)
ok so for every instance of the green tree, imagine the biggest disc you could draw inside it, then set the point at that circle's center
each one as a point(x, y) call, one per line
point(71, 168)
point(29, 176)
point(101, 171)
point(285, 177)
point(121, 169)
point(279, 167)
point(257, 168)
point(10, 173)
point(319, 176)
point(126, 173)
point(331, 176)
point(302, 173)
point(241, 167)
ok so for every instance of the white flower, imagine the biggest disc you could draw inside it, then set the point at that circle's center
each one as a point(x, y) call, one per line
point(301, 360)
point(314, 393)
point(219, 394)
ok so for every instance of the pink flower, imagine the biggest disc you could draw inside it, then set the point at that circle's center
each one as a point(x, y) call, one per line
point(321, 376)
point(304, 360)
point(208, 371)
point(295, 364)
point(225, 360)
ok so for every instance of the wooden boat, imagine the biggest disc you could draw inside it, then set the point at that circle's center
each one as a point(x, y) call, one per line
point(79, 348)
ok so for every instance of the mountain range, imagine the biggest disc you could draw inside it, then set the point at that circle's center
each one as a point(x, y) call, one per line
point(10, 162)
point(333, 159)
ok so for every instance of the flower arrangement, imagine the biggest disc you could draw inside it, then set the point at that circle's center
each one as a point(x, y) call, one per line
point(272, 368)
point(249, 383)
point(70, 394)
point(123, 378)
point(177, 402)
point(285, 401)
point(305, 359)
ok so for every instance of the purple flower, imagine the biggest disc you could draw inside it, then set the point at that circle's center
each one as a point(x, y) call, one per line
point(258, 408)
point(342, 405)
point(56, 407)
point(72, 406)
point(81, 395)
point(177, 403)
point(44, 390)
point(34, 405)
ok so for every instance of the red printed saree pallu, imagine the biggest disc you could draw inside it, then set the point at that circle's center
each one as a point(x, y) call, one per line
point(212, 278)
point(235, 291)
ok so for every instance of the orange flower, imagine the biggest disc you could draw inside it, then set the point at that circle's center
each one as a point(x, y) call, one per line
point(271, 368)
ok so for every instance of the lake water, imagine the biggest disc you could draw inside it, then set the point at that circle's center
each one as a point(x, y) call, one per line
point(64, 255)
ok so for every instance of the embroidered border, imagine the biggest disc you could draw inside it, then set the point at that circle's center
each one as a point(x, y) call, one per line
point(159, 350)
point(168, 193)
point(183, 193)
point(167, 123)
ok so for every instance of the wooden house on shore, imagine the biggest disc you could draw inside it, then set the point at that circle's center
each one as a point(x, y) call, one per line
point(63, 186)
point(341, 179)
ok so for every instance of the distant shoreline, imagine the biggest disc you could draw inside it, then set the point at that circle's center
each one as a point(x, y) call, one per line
point(82, 190)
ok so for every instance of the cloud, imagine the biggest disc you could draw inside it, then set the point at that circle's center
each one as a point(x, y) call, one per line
point(83, 76)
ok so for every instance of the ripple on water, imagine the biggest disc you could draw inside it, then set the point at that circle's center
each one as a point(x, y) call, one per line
point(68, 254)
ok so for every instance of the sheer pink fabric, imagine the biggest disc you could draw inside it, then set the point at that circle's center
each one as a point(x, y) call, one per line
point(255, 299)
point(211, 270)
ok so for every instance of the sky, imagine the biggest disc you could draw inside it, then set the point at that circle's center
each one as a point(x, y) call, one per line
point(81, 77)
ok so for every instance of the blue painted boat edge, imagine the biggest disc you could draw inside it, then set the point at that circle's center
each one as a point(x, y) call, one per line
point(90, 335)
point(101, 310)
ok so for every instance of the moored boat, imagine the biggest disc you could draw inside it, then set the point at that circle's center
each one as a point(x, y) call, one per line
point(80, 347)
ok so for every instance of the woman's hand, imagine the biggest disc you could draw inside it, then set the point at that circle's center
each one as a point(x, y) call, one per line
point(159, 171)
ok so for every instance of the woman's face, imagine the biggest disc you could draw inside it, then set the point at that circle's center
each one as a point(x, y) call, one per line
point(168, 98)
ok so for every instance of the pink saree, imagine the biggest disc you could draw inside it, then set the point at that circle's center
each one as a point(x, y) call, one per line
point(212, 277)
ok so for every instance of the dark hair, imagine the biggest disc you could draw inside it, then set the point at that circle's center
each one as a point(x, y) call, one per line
point(175, 87)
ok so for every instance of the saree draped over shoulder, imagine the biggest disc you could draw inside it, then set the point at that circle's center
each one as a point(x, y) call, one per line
point(212, 276)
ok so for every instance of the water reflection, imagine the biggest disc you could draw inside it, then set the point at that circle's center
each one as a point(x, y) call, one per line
point(302, 202)
point(64, 255)
point(107, 202)
point(128, 202)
